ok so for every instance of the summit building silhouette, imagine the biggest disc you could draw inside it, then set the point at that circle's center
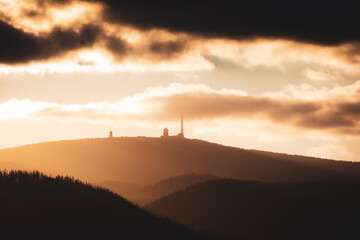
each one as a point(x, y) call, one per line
point(179, 135)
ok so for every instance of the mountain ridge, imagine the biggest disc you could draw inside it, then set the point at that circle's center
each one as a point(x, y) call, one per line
point(255, 210)
point(192, 139)
point(146, 194)
point(144, 160)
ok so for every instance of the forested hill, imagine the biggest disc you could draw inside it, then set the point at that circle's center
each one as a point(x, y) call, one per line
point(149, 193)
point(143, 161)
point(275, 211)
point(34, 206)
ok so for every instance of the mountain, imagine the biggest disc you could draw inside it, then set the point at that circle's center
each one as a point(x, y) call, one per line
point(143, 161)
point(149, 193)
point(124, 189)
point(254, 210)
point(35, 206)
point(170, 185)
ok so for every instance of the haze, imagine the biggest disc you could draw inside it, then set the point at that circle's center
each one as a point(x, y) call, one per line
point(79, 69)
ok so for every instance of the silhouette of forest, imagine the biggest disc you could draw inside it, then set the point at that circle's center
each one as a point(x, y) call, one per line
point(143, 161)
point(253, 210)
point(149, 193)
point(171, 185)
point(36, 206)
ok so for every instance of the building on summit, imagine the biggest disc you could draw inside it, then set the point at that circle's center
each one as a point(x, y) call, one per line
point(166, 132)
point(179, 135)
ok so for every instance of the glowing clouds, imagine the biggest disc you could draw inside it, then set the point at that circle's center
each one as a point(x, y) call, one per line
point(199, 102)
point(38, 32)
point(279, 54)
point(38, 17)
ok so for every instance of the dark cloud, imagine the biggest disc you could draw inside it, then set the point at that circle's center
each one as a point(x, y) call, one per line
point(116, 45)
point(167, 48)
point(17, 46)
point(307, 21)
point(352, 108)
point(329, 23)
point(343, 117)
point(205, 105)
point(326, 120)
point(350, 52)
point(53, 2)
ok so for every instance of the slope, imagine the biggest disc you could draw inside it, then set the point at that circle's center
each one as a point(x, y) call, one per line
point(143, 161)
point(34, 206)
point(170, 185)
point(253, 210)
point(149, 193)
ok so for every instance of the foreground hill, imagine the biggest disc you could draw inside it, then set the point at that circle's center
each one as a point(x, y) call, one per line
point(143, 161)
point(253, 210)
point(149, 193)
point(34, 206)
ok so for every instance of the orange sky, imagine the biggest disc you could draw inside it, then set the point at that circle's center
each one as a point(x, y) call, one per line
point(90, 76)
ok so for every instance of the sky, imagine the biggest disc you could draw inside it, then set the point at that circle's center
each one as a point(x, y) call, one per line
point(279, 76)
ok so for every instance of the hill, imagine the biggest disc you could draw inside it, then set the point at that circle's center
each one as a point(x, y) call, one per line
point(149, 193)
point(34, 206)
point(124, 189)
point(170, 185)
point(253, 210)
point(143, 161)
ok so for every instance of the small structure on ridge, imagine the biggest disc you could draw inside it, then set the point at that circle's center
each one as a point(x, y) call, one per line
point(179, 135)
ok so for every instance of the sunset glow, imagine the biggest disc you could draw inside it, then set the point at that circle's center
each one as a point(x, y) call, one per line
point(84, 64)
point(180, 120)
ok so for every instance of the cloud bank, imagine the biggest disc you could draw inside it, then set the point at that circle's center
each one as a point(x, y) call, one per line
point(198, 102)
point(307, 21)
point(17, 46)
point(159, 31)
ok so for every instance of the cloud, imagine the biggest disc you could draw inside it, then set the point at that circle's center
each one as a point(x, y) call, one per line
point(199, 102)
point(39, 30)
point(310, 93)
point(200, 105)
point(116, 45)
point(168, 48)
point(319, 76)
point(350, 52)
point(305, 21)
point(17, 46)
point(40, 16)
point(281, 53)
point(134, 33)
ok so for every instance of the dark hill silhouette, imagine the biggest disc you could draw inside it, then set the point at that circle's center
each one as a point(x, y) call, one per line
point(124, 189)
point(34, 206)
point(257, 211)
point(143, 161)
point(149, 193)
point(171, 185)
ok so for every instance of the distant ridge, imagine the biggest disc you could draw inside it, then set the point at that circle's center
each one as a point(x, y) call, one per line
point(144, 161)
point(149, 193)
point(173, 184)
point(275, 211)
